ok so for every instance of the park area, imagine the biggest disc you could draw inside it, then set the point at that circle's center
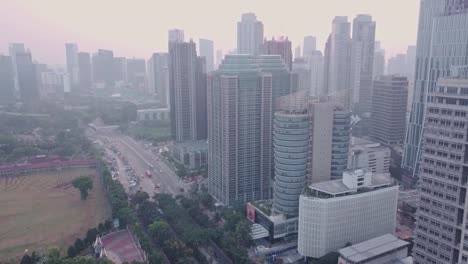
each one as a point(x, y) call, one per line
point(43, 210)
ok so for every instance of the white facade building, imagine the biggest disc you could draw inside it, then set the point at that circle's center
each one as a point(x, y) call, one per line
point(360, 206)
point(366, 154)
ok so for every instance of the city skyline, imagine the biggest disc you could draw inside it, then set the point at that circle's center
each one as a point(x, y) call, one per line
point(146, 33)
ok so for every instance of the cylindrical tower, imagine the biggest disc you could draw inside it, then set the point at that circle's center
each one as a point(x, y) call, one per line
point(291, 144)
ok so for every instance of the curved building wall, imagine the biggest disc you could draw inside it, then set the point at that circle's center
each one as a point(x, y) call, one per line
point(291, 143)
point(340, 143)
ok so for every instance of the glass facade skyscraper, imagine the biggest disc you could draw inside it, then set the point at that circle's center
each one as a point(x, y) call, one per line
point(442, 42)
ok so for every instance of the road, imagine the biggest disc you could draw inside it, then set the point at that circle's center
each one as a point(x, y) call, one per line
point(141, 159)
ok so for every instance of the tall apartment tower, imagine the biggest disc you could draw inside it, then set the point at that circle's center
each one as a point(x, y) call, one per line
point(206, 48)
point(443, 172)
point(184, 90)
point(364, 41)
point(442, 28)
point(388, 111)
point(310, 46)
point(7, 80)
point(239, 131)
point(71, 52)
point(249, 35)
point(397, 65)
point(279, 46)
point(339, 64)
point(410, 62)
point(158, 77)
point(85, 77)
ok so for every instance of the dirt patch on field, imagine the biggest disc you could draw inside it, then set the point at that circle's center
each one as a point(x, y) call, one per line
point(43, 210)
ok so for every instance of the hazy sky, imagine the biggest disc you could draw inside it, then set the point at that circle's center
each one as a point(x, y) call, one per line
point(137, 28)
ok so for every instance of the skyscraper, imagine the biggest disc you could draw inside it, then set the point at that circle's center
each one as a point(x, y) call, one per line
point(84, 69)
point(27, 78)
point(300, 75)
point(297, 52)
point(219, 58)
point(7, 80)
point(103, 67)
point(310, 45)
point(397, 65)
point(388, 111)
point(158, 77)
point(442, 28)
point(136, 74)
point(316, 64)
point(13, 49)
point(249, 35)
point(339, 72)
point(207, 50)
point(184, 87)
point(120, 73)
point(364, 40)
point(410, 61)
point(279, 46)
point(440, 230)
point(71, 52)
point(176, 35)
point(240, 112)
point(379, 60)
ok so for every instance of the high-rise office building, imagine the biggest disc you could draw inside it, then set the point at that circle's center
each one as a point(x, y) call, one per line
point(184, 90)
point(7, 80)
point(158, 77)
point(85, 77)
point(120, 73)
point(316, 64)
point(442, 28)
point(356, 208)
point(310, 45)
point(279, 46)
point(300, 75)
point(206, 49)
point(388, 118)
point(219, 58)
point(103, 67)
point(240, 111)
point(397, 65)
point(363, 40)
point(249, 35)
point(297, 52)
point(27, 78)
point(136, 74)
point(339, 64)
point(443, 171)
point(13, 49)
point(410, 62)
point(176, 35)
point(71, 52)
point(379, 60)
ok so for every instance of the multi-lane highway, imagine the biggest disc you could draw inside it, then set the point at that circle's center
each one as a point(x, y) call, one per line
point(141, 160)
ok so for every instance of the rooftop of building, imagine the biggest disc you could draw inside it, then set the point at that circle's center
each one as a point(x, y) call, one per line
point(344, 187)
point(150, 110)
point(372, 248)
point(361, 144)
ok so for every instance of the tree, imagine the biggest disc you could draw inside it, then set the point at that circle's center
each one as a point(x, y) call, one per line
point(71, 252)
point(79, 245)
point(91, 235)
point(160, 231)
point(83, 184)
point(139, 197)
point(26, 259)
point(155, 259)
